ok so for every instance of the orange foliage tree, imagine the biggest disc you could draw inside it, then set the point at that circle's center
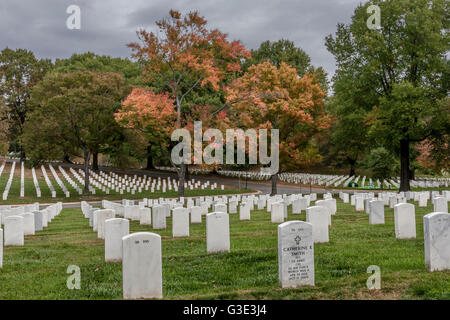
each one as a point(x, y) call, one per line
point(184, 55)
point(277, 98)
point(152, 115)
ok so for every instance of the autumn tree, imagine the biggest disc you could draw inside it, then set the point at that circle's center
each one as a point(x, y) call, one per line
point(185, 55)
point(277, 98)
point(20, 70)
point(404, 68)
point(72, 110)
point(285, 51)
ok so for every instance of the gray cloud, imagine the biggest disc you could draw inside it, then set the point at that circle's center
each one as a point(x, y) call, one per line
point(108, 25)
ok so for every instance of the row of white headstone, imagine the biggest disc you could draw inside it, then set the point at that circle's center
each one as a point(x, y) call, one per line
point(20, 221)
point(8, 184)
point(295, 238)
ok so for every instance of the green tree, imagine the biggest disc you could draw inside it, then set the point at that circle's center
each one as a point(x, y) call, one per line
point(401, 63)
point(285, 51)
point(20, 70)
point(72, 112)
point(381, 162)
point(131, 74)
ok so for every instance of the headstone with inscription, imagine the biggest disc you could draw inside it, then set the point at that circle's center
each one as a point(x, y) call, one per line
point(295, 254)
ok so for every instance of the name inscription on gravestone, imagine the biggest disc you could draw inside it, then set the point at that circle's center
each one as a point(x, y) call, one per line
point(295, 254)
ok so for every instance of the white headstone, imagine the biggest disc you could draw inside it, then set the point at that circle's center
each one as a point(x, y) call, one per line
point(318, 217)
point(14, 231)
point(102, 216)
point(217, 232)
point(28, 224)
point(277, 213)
point(38, 226)
point(142, 266)
point(440, 204)
point(196, 214)
point(436, 229)
point(180, 222)
point(376, 215)
point(405, 221)
point(145, 216)
point(115, 230)
point(295, 254)
point(159, 217)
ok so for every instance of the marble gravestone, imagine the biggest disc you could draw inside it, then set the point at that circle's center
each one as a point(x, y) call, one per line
point(295, 254)
point(13, 231)
point(115, 230)
point(298, 205)
point(244, 211)
point(277, 213)
point(220, 207)
point(436, 229)
point(405, 221)
point(217, 232)
point(102, 216)
point(28, 224)
point(1, 247)
point(325, 204)
point(180, 222)
point(318, 217)
point(145, 216)
point(359, 203)
point(38, 226)
point(376, 215)
point(440, 204)
point(196, 214)
point(159, 217)
point(142, 266)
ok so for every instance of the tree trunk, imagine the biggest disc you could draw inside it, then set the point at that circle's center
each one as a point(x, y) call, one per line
point(274, 179)
point(412, 174)
point(22, 154)
point(181, 179)
point(352, 166)
point(149, 158)
point(67, 159)
point(87, 156)
point(404, 165)
point(95, 161)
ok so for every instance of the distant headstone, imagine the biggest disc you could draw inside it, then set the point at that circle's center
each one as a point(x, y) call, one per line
point(180, 222)
point(318, 216)
point(115, 230)
point(196, 214)
point(1, 248)
point(102, 216)
point(217, 232)
point(142, 266)
point(405, 221)
point(145, 216)
point(376, 215)
point(436, 229)
point(244, 211)
point(440, 204)
point(38, 226)
point(28, 224)
point(159, 217)
point(295, 254)
point(359, 203)
point(277, 213)
point(14, 231)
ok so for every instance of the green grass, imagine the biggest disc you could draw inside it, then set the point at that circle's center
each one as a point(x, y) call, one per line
point(249, 271)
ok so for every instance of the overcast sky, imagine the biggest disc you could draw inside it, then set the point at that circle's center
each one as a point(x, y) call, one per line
point(108, 25)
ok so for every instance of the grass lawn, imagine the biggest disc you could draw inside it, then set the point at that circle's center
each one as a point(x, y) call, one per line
point(250, 271)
